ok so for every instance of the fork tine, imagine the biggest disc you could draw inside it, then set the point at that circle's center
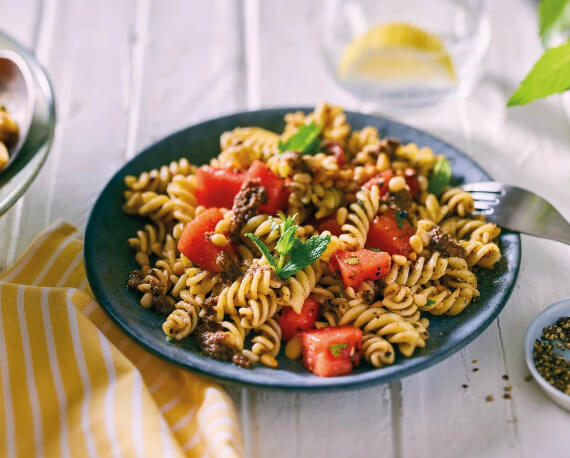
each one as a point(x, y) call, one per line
point(485, 196)
point(482, 205)
point(485, 186)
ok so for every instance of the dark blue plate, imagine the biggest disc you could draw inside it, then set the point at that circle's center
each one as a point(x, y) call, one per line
point(109, 259)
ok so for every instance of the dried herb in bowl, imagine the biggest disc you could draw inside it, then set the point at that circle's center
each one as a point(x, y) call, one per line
point(550, 363)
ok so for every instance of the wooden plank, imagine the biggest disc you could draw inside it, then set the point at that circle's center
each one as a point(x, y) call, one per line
point(192, 66)
point(507, 143)
point(20, 22)
point(86, 52)
point(187, 67)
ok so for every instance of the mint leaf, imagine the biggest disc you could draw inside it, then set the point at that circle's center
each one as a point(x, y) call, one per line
point(401, 218)
point(549, 75)
point(440, 176)
point(303, 255)
point(554, 18)
point(336, 349)
point(305, 140)
point(285, 243)
point(264, 250)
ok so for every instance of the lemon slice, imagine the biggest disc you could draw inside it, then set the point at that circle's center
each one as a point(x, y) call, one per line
point(397, 52)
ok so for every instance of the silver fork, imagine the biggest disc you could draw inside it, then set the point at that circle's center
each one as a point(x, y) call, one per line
point(518, 210)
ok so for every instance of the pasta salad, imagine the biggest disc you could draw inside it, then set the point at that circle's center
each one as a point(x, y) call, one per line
point(333, 243)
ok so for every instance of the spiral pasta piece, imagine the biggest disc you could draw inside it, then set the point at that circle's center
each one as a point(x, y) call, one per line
point(456, 201)
point(361, 213)
point(147, 242)
point(298, 287)
point(265, 344)
point(377, 351)
point(443, 301)
point(181, 193)
point(481, 254)
point(182, 321)
point(157, 180)
point(419, 272)
point(252, 291)
point(400, 299)
point(397, 331)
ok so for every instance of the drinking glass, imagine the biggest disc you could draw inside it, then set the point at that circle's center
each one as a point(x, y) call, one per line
point(404, 53)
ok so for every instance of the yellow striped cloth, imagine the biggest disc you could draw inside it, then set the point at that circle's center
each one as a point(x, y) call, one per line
point(73, 385)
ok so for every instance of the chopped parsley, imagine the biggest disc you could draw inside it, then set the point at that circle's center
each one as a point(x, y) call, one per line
point(336, 349)
point(401, 218)
point(352, 260)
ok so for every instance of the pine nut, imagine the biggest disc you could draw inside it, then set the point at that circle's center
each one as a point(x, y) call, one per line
point(146, 300)
point(219, 239)
point(293, 348)
point(399, 259)
point(397, 184)
point(269, 361)
point(420, 300)
point(416, 244)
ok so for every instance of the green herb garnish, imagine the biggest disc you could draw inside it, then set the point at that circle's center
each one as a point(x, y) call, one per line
point(440, 177)
point(430, 302)
point(336, 349)
point(294, 255)
point(401, 218)
point(352, 260)
point(306, 140)
point(377, 250)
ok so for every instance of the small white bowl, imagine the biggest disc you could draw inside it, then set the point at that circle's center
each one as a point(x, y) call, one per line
point(545, 318)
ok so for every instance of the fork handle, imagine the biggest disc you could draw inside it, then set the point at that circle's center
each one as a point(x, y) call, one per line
point(547, 223)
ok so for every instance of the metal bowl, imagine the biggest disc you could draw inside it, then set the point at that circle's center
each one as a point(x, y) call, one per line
point(34, 146)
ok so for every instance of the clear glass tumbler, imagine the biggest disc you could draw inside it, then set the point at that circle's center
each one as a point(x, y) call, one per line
point(404, 53)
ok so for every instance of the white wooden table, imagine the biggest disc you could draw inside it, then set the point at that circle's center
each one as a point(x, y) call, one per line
point(127, 72)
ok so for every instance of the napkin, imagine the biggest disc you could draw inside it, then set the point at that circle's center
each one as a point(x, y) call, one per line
point(73, 385)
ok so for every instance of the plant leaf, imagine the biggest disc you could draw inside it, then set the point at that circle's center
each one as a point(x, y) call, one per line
point(554, 18)
point(440, 177)
point(305, 140)
point(550, 75)
point(264, 250)
point(304, 254)
point(287, 239)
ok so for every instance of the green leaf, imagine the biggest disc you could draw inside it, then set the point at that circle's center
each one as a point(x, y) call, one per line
point(430, 302)
point(377, 250)
point(305, 140)
point(401, 218)
point(285, 243)
point(440, 176)
point(263, 248)
point(550, 75)
point(336, 349)
point(303, 255)
point(554, 18)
